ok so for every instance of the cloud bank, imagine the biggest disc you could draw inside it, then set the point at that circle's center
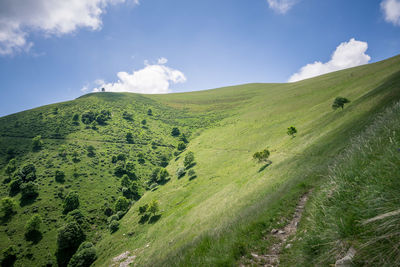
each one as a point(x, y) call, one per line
point(281, 6)
point(51, 17)
point(391, 10)
point(152, 79)
point(347, 54)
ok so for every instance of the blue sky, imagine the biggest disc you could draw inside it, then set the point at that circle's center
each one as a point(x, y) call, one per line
point(52, 52)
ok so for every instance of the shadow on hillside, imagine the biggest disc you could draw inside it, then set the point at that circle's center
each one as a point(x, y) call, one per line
point(34, 237)
point(265, 166)
point(154, 218)
point(26, 201)
point(144, 218)
point(192, 177)
point(191, 165)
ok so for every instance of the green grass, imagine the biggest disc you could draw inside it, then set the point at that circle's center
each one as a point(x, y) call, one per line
point(362, 184)
point(225, 211)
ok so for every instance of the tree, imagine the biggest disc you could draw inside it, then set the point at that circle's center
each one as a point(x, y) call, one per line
point(59, 176)
point(32, 228)
point(8, 207)
point(68, 240)
point(129, 138)
point(84, 256)
point(291, 131)
point(262, 156)
point(183, 138)
point(175, 131)
point(180, 172)
point(153, 207)
point(162, 176)
point(37, 143)
point(88, 117)
point(149, 112)
point(188, 160)
point(122, 204)
point(71, 202)
point(339, 102)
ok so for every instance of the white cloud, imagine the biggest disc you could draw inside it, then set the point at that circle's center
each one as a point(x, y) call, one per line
point(52, 17)
point(152, 79)
point(391, 10)
point(347, 54)
point(281, 6)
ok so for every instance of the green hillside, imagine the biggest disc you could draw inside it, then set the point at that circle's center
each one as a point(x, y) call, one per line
point(220, 208)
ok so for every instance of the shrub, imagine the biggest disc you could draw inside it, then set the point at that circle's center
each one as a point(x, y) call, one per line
point(188, 160)
point(8, 207)
point(84, 256)
point(149, 112)
point(175, 132)
point(75, 119)
point(112, 218)
point(68, 240)
point(9, 256)
point(15, 186)
point(291, 131)
point(127, 116)
point(153, 207)
point(181, 146)
point(141, 158)
point(143, 209)
point(62, 151)
point(144, 122)
point(11, 167)
point(28, 172)
point(129, 138)
point(75, 157)
point(122, 204)
point(77, 216)
point(114, 159)
point(339, 102)
point(120, 214)
point(103, 117)
point(262, 155)
point(29, 190)
point(183, 138)
point(71, 202)
point(191, 173)
point(37, 143)
point(130, 169)
point(32, 228)
point(88, 117)
point(113, 226)
point(180, 172)
point(91, 151)
point(125, 181)
point(162, 175)
point(119, 169)
point(59, 176)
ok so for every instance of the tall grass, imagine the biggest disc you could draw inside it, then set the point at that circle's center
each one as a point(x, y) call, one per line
point(359, 204)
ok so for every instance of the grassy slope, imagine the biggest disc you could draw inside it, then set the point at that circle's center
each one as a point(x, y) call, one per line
point(218, 216)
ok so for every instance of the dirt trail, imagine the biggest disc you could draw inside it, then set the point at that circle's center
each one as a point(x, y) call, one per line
point(271, 257)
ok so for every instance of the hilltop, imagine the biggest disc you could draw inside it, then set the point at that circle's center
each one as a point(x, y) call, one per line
point(216, 209)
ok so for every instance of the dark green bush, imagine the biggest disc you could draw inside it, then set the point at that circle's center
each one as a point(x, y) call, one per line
point(32, 228)
point(68, 240)
point(59, 176)
point(291, 131)
point(339, 102)
point(84, 256)
point(28, 172)
point(113, 226)
point(91, 151)
point(175, 131)
point(37, 143)
point(129, 138)
point(188, 160)
point(262, 156)
point(71, 202)
point(181, 146)
point(112, 218)
point(8, 207)
point(15, 186)
point(29, 190)
point(122, 204)
point(143, 209)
